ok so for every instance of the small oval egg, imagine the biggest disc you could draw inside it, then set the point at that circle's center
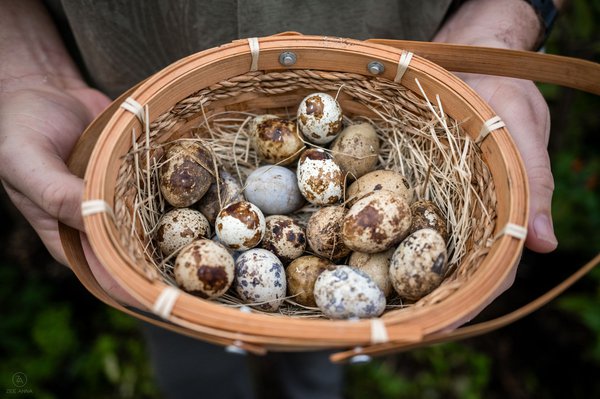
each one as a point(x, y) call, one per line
point(204, 268)
point(319, 118)
point(230, 191)
point(320, 180)
point(346, 292)
point(240, 225)
point(186, 174)
point(376, 265)
point(284, 237)
point(356, 149)
point(277, 141)
point(260, 279)
point(274, 189)
point(426, 214)
point(324, 232)
point(376, 222)
point(255, 123)
point(301, 275)
point(179, 227)
point(379, 180)
point(419, 264)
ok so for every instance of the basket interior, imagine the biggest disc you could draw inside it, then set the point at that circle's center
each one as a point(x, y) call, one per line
point(418, 138)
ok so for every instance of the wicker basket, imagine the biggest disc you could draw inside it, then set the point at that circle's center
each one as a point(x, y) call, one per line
point(253, 76)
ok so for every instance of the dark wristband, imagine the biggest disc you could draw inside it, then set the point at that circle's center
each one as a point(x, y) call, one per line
point(546, 12)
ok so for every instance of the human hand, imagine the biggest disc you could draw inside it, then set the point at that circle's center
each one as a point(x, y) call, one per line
point(524, 111)
point(41, 117)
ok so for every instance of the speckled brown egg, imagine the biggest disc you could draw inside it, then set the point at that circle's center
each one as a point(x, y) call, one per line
point(376, 222)
point(319, 118)
point(323, 232)
point(186, 174)
point(379, 180)
point(426, 214)
point(230, 191)
point(277, 141)
point(419, 264)
point(260, 279)
point(204, 268)
point(356, 149)
point(320, 179)
point(376, 265)
point(301, 275)
point(240, 225)
point(179, 227)
point(346, 292)
point(284, 237)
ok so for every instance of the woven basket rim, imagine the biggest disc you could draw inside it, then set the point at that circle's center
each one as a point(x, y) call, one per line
point(234, 59)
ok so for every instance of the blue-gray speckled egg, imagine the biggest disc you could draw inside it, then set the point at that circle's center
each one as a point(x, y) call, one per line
point(260, 279)
point(346, 292)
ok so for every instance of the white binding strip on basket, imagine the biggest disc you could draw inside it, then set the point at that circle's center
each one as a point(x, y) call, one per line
point(254, 50)
point(513, 230)
point(490, 125)
point(135, 108)
point(379, 333)
point(403, 63)
point(236, 348)
point(92, 207)
point(166, 301)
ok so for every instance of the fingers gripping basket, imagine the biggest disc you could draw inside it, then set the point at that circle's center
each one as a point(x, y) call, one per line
point(249, 77)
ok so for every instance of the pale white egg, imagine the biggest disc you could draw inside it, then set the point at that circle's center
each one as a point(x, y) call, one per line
point(204, 268)
point(179, 227)
point(419, 264)
point(260, 279)
point(320, 179)
point(346, 292)
point(274, 189)
point(240, 225)
point(319, 118)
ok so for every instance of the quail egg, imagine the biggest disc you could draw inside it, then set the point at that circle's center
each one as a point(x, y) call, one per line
point(277, 140)
point(284, 237)
point(356, 149)
point(376, 265)
point(426, 214)
point(379, 180)
point(274, 189)
point(345, 292)
point(260, 279)
point(179, 227)
point(320, 118)
point(301, 276)
point(240, 225)
point(229, 191)
point(204, 268)
point(324, 232)
point(419, 264)
point(320, 180)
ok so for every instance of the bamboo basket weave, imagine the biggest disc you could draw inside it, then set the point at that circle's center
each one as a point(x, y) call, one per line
point(247, 76)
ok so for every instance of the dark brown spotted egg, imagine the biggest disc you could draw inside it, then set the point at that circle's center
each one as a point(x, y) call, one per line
point(240, 225)
point(230, 191)
point(379, 180)
point(186, 174)
point(179, 227)
point(204, 268)
point(376, 222)
point(426, 214)
point(320, 179)
point(419, 264)
point(301, 275)
point(277, 141)
point(319, 118)
point(346, 292)
point(260, 279)
point(324, 232)
point(284, 237)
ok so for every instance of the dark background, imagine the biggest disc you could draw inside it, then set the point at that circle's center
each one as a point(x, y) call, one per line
point(70, 345)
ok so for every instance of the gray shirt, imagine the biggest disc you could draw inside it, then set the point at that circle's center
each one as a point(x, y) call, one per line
point(121, 42)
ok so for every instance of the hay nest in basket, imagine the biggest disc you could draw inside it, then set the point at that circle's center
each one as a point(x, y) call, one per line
point(417, 138)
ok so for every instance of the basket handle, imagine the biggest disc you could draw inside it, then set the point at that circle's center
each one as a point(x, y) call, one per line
point(565, 71)
point(474, 329)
